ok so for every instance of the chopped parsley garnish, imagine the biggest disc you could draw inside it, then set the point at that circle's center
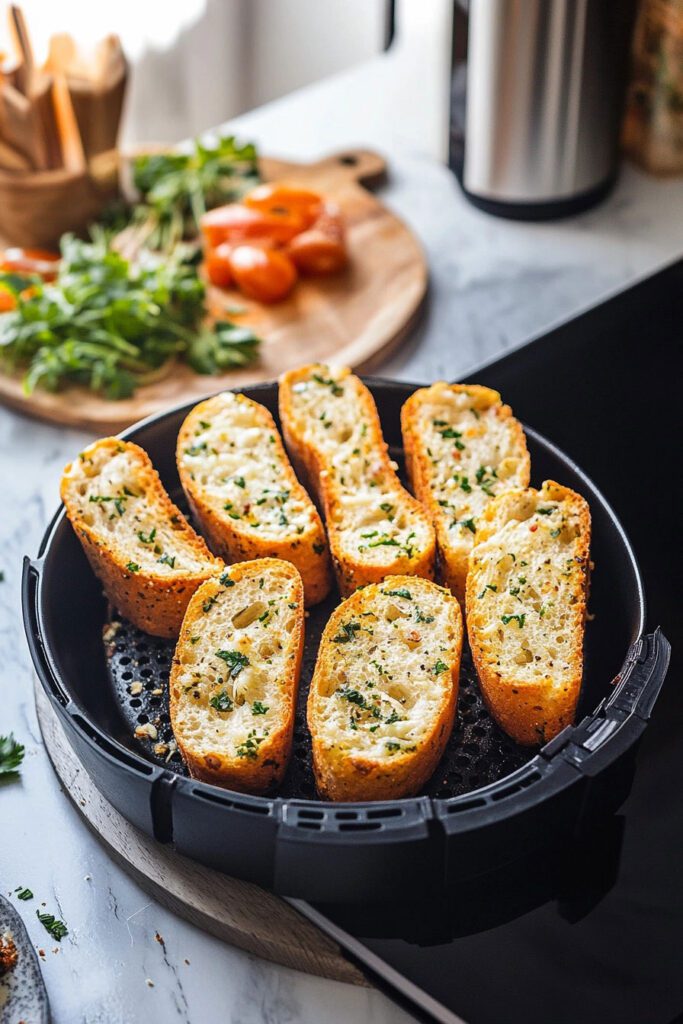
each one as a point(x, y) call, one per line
point(545, 511)
point(221, 701)
point(384, 541)
point(196, 449)
point(225, 580)
point(56, 928)
point(469, 524)
point(204, 425)
point(235, 661)
point(387, 507)
point(556, 533)
point(347, 633)
point(119, 500)
point(421, 617)
point(209, 603)
point(392, 746)
point(148, 538)
point(400, 592)
point(168, 560)
point(357, 698)
point(449, 434)
point(464, 483)
point(23, 893)
point(506, 619)
point(249, 748)
point(440, 667)
point(318, 548)
point(257, 708)
point(239, 481)
point(489, 586)
point(133, 567)
point(329, 383)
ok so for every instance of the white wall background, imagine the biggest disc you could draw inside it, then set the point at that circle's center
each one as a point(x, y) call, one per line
point(196, 63)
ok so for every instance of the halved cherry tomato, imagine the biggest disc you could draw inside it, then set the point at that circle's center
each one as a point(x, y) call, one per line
point(7, 301)
point(30, 261)
point(262, 273)
point(286, 199)
point(321, 249)
point(217, 265)
point(236, 223)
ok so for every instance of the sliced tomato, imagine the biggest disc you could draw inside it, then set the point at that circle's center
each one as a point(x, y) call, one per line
point(262, 273)
point(217, 265)
point(321, 249)
point(7, 301)
point(286, 200)
point(236, 223)
point(30, 261)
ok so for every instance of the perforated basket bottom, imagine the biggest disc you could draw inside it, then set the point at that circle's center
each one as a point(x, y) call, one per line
point(477, 754)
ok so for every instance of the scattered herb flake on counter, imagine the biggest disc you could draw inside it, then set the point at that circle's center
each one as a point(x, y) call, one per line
point(23, 893)
point(56, 928)
point(110, 325)
point(11, 756)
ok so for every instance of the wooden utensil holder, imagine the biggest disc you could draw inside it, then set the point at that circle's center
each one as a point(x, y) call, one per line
point(37, 208)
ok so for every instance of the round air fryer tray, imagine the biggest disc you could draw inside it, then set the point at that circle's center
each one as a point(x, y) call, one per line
point(488, 801)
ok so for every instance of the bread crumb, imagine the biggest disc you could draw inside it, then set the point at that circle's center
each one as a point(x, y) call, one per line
point(135, 688)
point(146, 731)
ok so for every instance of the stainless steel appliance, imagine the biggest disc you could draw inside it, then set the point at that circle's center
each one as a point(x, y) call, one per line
point(536, 97)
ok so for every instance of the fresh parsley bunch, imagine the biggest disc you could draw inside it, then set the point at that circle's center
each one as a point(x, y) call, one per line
point(110, 325)
point(176, 189)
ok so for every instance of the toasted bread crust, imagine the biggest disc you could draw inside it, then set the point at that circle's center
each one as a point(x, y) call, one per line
point(454, 545)
point(234, 539)
point(348, 774)
point(532, 706)
point(263, 771)
point(153, 600)
point(325, 477)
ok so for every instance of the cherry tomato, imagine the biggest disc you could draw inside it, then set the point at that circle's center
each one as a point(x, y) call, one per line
point(237, 223)
point(30, 261)
point(7, 301)
point(217, 264)
point(262, 273)
point(321, 249)
point(285, 199)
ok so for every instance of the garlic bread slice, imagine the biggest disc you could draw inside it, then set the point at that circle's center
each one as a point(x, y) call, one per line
point(527, 589)
point(235, 675)
point(382, 700)
point(147, 556)
point(463, 447)
point(243, 492)
point(332, 430)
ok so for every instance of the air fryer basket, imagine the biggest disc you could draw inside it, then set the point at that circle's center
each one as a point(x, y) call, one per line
point(488, 800)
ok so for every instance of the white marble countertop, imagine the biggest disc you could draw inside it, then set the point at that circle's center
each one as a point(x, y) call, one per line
point(494, 284)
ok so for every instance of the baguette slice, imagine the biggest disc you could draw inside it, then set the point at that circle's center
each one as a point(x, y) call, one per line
point(526, 608)
point(463, 447)
point(375, 527)
point(235, 675)
point(141, 547)
point(383, 696)
point(243, 492)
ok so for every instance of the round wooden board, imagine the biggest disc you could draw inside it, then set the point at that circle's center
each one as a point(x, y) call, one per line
point(356, 317)
point(238, 912)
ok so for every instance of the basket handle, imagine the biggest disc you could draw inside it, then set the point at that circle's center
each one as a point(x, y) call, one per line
point(30, 577)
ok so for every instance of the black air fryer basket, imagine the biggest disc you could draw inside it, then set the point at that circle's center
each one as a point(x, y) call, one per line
point(488, 801)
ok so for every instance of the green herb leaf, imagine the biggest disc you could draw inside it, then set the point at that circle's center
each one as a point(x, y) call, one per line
point(257, 708)
point(506, 619)
point(11, 756)
point(235, 661)
point(221, 701)
point(56, 928)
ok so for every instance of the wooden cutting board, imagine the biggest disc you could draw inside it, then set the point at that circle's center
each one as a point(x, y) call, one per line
point(237, 912)
point(356, 317)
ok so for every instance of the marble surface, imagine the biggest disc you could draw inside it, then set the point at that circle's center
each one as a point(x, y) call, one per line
point(494, 284)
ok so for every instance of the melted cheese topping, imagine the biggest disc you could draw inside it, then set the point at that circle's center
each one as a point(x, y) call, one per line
point(390, 671)
point(107, 485)
point(231, 671)
point(235, 461)
point(372, 514)
point(528, 580)
point(474, 455)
